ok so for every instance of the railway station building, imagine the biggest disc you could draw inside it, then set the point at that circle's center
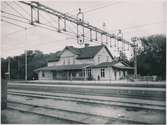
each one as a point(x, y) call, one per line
point(87, 63)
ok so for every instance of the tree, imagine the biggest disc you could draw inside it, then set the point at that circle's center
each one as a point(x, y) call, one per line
point(123, 56)
point(35, 59)
point(152, 60)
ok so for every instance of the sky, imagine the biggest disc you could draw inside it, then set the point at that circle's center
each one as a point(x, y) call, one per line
point(134, 18)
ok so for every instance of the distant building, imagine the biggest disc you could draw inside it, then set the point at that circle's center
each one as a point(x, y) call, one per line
point(88, 63)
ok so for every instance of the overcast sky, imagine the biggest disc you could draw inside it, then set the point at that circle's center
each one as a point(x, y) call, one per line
point(134, 18)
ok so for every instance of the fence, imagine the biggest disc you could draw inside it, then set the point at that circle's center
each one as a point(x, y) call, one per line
point(4, 94)
point(142, 78)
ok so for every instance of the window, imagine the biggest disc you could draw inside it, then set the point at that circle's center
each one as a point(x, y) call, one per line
point(64, 62)
point(73, 74)
point(64, 74)
point(80, 74)
point(68, 60)
point(102, 72)
point(119, 73)
point(73, 60)
point(98, 59)
point(84, 73)
point(43, 74)
point(89, 72)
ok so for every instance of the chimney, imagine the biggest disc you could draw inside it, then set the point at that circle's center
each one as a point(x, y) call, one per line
point(86, 45)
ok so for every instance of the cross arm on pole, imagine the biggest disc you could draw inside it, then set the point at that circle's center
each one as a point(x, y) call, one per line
point(64, 16)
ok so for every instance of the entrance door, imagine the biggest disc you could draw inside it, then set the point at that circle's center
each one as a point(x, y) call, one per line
point(124, 74)
point(115, 74)
point(54, 75)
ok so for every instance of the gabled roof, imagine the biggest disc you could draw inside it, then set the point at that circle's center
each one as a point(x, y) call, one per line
point(63, 67)
point(105, 64)
point(72, 49)
point(113, 64)
point(54, 56)
point(89, 52)
point(123, 67)
point(82, 53)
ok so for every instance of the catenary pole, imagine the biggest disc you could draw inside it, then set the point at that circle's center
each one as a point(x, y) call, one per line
point(9, 69)
point(25, 64)
point(134, 39)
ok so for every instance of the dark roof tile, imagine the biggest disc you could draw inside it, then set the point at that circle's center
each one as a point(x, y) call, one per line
point(88, 52)
point(54, 56)
point(83, 53)
point(63, 67)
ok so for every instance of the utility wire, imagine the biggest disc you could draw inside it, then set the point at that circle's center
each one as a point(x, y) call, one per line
point(14, 19)
point(17, 4)
point(35, 24)
point(140, 26)
point(4, 12)
point(41, 15)
point(39, 44)
point(39, 26)
point(14, 9)
point(51, 28)
point(66, 25)
point(54, 28)
point(27, 28)
point(71, 31)
point(86, 9)
point(91, 10)
point(56, 31)
point(13, 24)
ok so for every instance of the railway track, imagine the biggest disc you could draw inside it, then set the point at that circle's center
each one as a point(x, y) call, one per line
point(96, 83)
point(90, 104)
point(75, 112)
point(74, 116)
point(110, 91)
point(123, 102)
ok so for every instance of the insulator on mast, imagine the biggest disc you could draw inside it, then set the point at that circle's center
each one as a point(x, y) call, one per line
point(83, 34)
point(122, 46)
point(118, 45)
point(80, 20)
point(110, 43)
point(64, 29)
point(91, 35)
point(120, 38)
point(77, 35)
point(59, 24)
point(80, 16)
point(101, 38)
point(106, 40)
point(115, 43)
point(128, 47)
point(96, 36)
point(32, 21)
point(120, 35)
point(37, 13)
point(34, 13)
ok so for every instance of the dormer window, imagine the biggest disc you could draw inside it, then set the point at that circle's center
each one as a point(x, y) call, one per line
point(64, 62)
point(102, 72)
point(43, 74)
point(68, 60)
point(73, 60)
